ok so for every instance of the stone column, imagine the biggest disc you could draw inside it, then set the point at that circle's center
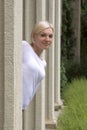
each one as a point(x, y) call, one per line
point(28, 22)
point(10, 65)
point(34, 116)
point(1, 64)
point(57, 45)
point(50, 71)
point(40, 95)
point(28, 18)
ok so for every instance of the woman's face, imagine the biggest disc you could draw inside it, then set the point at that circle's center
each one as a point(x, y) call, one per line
point(44, 39)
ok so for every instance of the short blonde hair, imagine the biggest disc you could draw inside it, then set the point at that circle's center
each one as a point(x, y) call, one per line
point(40, 26)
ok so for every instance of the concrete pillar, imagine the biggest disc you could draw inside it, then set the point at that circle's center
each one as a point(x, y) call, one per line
point(34, 116)
point(29, 16)
point(40, 95)
point(57, 45)
point(1, 65)
point(29, 117)
point(40, 10)
point(10, 65)
point(41, 109)
point(50, 71)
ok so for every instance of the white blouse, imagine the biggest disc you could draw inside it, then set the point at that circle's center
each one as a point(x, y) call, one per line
point(33, 72)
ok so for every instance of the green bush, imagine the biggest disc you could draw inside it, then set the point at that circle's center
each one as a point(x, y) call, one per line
point(84, 38)
point(63, 81)
point(73, 71)
point(76, 70)
point(74, 114)
point(68, 38)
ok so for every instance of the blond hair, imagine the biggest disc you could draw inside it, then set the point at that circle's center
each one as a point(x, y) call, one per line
point(40, 26)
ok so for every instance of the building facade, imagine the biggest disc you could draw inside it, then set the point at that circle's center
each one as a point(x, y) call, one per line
point(17, 18)
point(42, 107)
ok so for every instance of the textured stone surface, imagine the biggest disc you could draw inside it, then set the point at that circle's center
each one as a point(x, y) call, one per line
point(10, 65)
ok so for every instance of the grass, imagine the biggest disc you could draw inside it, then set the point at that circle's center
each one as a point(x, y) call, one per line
point(74, 115)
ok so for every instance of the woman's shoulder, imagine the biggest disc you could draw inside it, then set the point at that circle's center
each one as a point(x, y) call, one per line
point(24, 42)
point(26, 47)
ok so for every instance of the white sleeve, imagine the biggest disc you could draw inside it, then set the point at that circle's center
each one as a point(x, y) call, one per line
point(27, 77)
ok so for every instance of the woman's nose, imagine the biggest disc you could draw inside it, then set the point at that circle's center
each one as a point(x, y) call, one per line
point(47, 38)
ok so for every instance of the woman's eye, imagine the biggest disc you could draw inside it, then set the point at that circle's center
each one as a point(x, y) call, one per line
point(42, 35)
point(50, 36)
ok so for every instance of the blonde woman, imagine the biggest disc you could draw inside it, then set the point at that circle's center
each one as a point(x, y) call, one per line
point(33, 64)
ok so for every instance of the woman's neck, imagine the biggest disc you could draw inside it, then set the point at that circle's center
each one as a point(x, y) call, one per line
point(37, 50)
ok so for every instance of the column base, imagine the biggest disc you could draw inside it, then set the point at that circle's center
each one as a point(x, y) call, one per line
point(50, 125)
point(58, 106)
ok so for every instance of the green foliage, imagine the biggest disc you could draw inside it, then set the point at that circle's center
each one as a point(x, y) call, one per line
point(84, 36)
point(84, 69)
point(67, 40)
point(74, 114)
point(68, 37)
point(73, 71)
point(63, 78)
point(76, 70)
point(84, 21)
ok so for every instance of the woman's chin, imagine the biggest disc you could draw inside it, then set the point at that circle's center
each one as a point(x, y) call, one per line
point(46, 47)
